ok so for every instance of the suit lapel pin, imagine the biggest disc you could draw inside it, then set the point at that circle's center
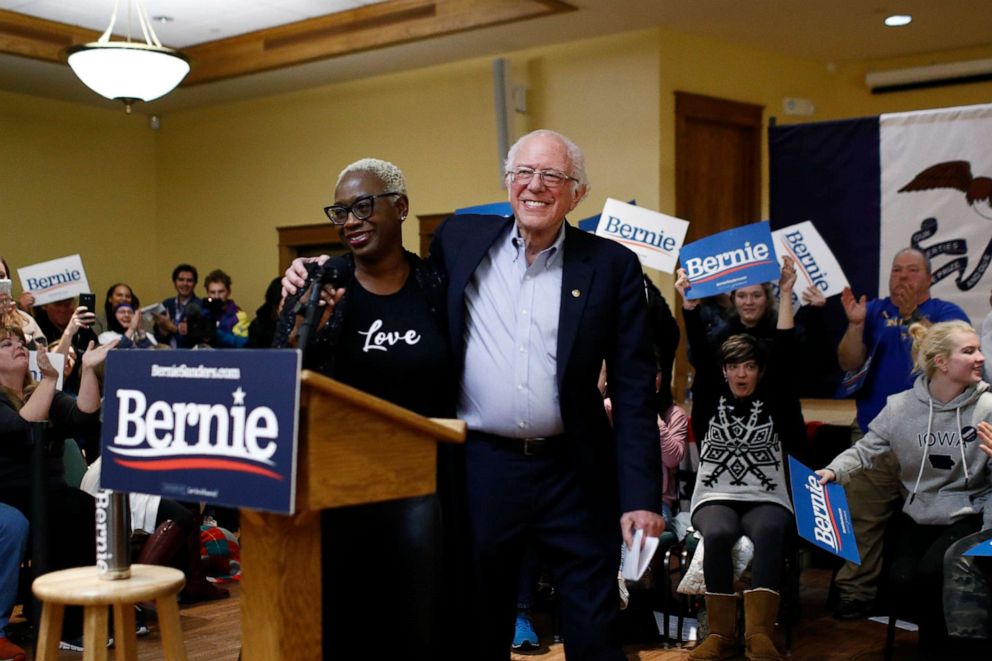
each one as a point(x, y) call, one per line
point(576, 293)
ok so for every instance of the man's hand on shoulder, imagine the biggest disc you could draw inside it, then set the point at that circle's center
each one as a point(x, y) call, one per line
point(651, 522)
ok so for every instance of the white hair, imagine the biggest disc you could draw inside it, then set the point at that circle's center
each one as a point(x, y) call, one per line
point(576, 160)
point(390, 175)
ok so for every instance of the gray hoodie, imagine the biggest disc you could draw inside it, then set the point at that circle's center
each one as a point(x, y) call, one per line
point(947, 479)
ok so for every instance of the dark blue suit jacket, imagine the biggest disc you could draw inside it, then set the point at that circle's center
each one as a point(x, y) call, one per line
point(602, 316)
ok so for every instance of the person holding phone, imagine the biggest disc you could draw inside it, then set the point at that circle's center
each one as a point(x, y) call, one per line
point(10, 314)
point(68, 330)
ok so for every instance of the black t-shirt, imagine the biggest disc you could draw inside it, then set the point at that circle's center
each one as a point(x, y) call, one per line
point(394, 348)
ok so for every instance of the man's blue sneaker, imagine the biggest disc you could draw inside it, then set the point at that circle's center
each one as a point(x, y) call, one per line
point(524, 636)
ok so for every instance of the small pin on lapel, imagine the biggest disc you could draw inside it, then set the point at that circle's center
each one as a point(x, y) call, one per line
point(576, 293)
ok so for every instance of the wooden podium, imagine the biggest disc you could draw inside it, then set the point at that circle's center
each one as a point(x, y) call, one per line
point(353, 448)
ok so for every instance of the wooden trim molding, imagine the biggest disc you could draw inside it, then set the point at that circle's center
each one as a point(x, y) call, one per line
point(39, 39)
point(364, 28)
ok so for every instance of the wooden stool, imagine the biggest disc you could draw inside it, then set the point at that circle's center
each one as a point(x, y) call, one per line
point(82, 586)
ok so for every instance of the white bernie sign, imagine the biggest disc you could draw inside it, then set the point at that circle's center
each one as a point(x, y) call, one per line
point(54, 280)
point(654, 237)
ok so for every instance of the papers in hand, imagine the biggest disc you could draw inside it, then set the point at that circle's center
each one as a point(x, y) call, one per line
point(149, 311)
point(636, 560)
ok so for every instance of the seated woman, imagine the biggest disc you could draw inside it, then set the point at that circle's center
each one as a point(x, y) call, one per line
point(11, 315)
point(24, 401)
point(741, 484)
point(754, 313)
point(129, 322)
point(117, 293)
point(381, 288)
point(930, 431)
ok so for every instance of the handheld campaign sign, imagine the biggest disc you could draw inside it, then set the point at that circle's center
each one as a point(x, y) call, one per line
point(982, 549)
point(822, 515)
point(54, 280)
point(816, 265)
point(729, 260)
point(654, 237)
point(592, 222)
point(212, 426)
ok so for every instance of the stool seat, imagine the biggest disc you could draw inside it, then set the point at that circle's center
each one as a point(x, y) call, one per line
point(82, 586)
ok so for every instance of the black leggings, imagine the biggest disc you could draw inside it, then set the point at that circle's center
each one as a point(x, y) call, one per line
point(723, 522)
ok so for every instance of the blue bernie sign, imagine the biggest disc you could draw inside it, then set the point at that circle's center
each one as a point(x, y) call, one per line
point(210, 426)
point(493, 209)
point(730, 260)
point(589, 224)
point(982, 549)
point(822, 515)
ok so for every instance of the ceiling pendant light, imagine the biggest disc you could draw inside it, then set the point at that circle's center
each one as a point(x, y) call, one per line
point(128, 71)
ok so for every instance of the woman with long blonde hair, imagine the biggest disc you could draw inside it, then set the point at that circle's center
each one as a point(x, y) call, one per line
point(932, 431)
point(10, 315)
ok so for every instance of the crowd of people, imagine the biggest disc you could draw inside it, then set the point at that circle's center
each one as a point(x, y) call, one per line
point(557, 352)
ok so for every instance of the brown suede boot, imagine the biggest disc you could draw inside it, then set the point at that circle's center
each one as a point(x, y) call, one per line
point(760, 611)
point(721, 643)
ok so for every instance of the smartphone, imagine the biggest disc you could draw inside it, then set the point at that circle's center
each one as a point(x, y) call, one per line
point(5, 287)
point(89, 300)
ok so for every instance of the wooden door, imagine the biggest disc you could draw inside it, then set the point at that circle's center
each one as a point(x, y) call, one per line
point(308, 241)
point(717, 176)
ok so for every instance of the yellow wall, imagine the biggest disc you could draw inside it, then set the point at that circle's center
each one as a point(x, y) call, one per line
point(75, 179)
point(230, 175)
point(212, 185)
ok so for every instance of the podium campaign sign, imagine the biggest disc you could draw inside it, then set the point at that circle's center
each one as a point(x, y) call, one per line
point(822, 515)
point(54, 280)
point(212, 426)
point(730, 260)
point(654, 237)
point(816, 265)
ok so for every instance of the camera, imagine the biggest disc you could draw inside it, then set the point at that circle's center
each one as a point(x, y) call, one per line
point(215, 307)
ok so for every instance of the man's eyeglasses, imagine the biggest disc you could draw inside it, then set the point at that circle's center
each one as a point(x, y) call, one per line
point(550, 178)
point(361, 209)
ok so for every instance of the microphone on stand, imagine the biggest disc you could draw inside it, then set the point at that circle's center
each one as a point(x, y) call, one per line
point(319, 276)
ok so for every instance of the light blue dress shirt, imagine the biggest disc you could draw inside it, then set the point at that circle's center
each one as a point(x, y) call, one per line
point(509, 387)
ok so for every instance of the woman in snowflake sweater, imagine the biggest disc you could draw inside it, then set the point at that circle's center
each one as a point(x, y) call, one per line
point(741, 486)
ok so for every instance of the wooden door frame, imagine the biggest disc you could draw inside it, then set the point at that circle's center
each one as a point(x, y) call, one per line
point(697, 107)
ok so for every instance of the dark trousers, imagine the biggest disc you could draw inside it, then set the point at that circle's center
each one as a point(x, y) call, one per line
point(723, 522)
point(516, 500)
point(917, 572)
point(381, 579)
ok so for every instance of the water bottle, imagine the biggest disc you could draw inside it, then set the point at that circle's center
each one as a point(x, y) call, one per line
point(113, 547)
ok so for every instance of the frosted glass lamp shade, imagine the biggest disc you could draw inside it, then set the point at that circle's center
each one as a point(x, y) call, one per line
point(127, 70)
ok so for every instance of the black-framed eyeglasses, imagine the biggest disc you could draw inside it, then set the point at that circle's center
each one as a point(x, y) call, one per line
point(550, 178)
point(361, 208)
